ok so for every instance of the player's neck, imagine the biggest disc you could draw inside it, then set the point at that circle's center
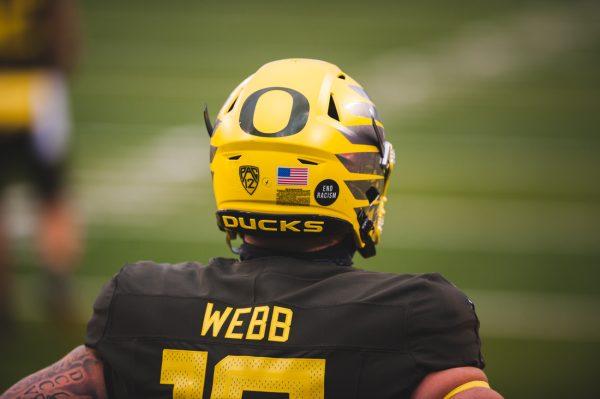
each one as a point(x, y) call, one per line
point(338, 251)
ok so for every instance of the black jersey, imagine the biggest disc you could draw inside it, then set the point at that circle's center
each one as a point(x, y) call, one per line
point(277, 327)
point(20, 160)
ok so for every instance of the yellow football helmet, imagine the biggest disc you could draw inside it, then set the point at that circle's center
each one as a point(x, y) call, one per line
point(298, 149)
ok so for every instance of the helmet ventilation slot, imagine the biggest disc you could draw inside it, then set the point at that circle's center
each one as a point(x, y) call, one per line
point(232, 104)
point(235, 157)
point(342, 76)
point(307, 162)
point(332, 110)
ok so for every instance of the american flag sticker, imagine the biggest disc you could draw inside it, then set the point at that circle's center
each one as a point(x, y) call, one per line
point(292, 176)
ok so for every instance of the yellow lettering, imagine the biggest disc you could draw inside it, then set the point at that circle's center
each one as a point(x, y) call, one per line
point(313, 226)
point(252, 225)
point(214, 319)
point(258, 321)
point(277, 324)
point(230, 221)
point(285, 225)
point(235, 322)
point(262, 225)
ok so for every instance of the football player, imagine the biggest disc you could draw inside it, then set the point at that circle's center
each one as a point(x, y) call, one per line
point(300, 168)
point(38, 49)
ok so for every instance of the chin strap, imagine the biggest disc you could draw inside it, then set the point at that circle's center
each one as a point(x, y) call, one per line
point(464, 387)
point(366, 225)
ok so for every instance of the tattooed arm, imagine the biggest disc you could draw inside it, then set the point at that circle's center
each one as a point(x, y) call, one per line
point(77, 375)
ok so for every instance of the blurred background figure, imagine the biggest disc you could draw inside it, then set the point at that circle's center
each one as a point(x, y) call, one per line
point(39, 41)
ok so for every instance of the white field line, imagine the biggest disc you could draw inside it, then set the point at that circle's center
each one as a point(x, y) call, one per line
point(152, 179)
point(502, 313)
point(482, 52)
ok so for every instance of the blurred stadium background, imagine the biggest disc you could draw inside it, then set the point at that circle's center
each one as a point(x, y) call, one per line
point(493, 107)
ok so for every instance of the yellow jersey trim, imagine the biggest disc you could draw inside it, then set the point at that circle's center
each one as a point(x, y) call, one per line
point(464, 387)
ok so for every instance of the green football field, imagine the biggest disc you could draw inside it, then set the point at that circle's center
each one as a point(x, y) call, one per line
point(494, 111)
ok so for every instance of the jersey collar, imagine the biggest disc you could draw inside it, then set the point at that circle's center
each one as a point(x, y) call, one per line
point(340, 254)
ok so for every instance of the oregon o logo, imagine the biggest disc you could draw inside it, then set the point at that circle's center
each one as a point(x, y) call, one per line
point(298, 116)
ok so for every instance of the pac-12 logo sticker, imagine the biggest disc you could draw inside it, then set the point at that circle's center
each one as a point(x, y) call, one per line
point(249, 177)
point(327, 192)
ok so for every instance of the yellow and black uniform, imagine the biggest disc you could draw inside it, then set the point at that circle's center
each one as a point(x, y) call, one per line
point(273, 327)
point(34, 117)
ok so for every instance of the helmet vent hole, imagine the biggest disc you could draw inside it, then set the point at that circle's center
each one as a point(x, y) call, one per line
point(332, 111)
point(235, 157)
point(232, 105)
point(307, 162)
point(372, 194)
point(342, 76)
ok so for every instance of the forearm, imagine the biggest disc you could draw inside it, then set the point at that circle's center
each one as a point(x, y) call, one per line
point(456, 383)
point(478, 393)
point(78, 375)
